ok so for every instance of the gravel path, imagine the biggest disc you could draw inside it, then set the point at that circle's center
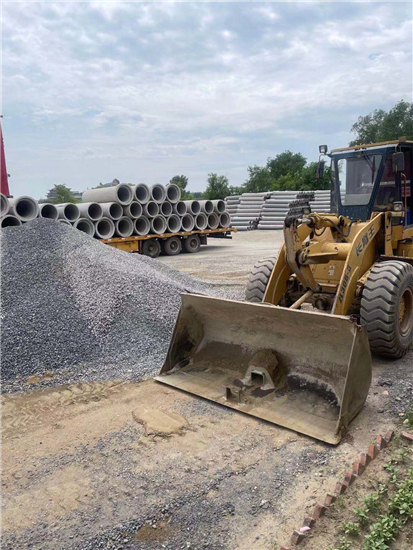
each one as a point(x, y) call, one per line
point(81, 310)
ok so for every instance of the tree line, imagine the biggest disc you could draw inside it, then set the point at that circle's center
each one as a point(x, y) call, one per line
point(290, 171)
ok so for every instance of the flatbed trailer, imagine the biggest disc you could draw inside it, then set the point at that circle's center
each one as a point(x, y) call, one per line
point(170, 244)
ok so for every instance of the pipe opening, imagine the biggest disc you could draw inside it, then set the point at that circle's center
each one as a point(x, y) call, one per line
point(124, 194)
point(188, 222)
point(152, 209)
point(105, 228)
point(124, 227)
point(71, 211)
point(85, 226)
point(142, 193)
point(224, 220)
point(95, 211)
point(166, 209)
point(158, 193)
point(220, 206)
point(174, 223)
point(213, 221)
point(135, 209)
point(26, 209)
point(115, 211)
point(158, 225)
point(10, 221)
point(195, 207)
point(142, 226)
point(180, 208)
point(49, 211)
point(201, 221)
point(173, 193)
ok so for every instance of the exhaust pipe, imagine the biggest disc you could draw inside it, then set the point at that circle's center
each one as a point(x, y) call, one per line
point(48, 210)
point(188, 222)
point(151, 209)
point(180, 208)
point(85, 225)
point(90, 210)
point(112, 210)
point(158, 225)
point(142, 193)
point(4, 205)
point(193, 207)
point(124, 227)
point(142, 226)
point(219, 206)
point(68, 211)
point(213, 220)
point(201, 221)
point(207, 207)
point(224, 220)
point(173, 193)
point(133, 210)
point(24, 208)
point(166, 209)
point(122, 193)
point(158, 193)
point(174, 223)
point(104, 228)
point(10, 221)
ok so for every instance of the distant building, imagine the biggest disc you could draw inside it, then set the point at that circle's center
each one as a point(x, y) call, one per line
point(110, 184)
point(51, 194)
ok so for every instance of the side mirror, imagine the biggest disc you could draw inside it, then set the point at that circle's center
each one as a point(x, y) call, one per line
point(320, 169)
point(398, 162)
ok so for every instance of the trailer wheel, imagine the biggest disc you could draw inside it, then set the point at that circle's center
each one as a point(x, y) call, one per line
point(192, 243)
point(172, 246)
point(258, 280)
point(151, 248)
point(387, 308)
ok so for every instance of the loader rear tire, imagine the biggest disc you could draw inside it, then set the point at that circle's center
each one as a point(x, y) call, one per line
point(258, 280)
point(387, 308)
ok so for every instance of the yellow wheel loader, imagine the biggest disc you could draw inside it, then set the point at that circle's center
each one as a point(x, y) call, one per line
point(297, 353)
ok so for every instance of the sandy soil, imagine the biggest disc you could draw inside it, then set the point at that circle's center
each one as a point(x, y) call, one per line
point(143, 466)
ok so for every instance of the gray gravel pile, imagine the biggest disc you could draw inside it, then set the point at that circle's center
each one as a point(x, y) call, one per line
point(74, 306)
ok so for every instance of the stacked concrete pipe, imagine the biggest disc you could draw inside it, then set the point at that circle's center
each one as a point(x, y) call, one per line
point(104, 228)
point(142, 193)
point(121, 193)
point(48, 210)
point(4, 205)
point(23, 208)
point(85, 225)
point(173, 193)
point(68, 211)
point(10, 221)
point(91, 210)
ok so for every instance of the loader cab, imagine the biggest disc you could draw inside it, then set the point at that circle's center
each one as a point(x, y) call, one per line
point(371, 178)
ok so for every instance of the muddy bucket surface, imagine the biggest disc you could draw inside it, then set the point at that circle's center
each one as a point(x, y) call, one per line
point(306, 371)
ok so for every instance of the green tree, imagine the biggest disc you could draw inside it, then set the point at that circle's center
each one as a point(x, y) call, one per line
point(259, 180)
point(217, 188)
point(309, 181)
point(61, 194)
point(286, 163)
point(380, 125)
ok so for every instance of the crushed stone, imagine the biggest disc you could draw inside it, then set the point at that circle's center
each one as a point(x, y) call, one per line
point(81, 310)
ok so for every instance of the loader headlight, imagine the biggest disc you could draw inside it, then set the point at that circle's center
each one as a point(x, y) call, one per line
point(398, 206)
point(323, 149)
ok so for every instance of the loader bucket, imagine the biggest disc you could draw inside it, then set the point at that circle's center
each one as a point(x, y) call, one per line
point(309, 372)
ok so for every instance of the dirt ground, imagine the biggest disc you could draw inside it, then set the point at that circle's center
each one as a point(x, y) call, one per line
point(143, 466)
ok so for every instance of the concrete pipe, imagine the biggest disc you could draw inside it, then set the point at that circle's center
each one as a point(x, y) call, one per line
point(193, 207)
point(213, 220)
point(224, 220)
point(10, 221)
point(179, 208)
point(64, 222)
point(133, 210)
point(158, 193)
point(4, 205)
point(23, 208)
point(158, 225)
point(201, 221)
point(91, 210)
point(85, 225)
point(104, 228)
point(112, 210)
point(206, 206)
point(174, 223)
point(142, 193)
point(48, 210)
point(166, 209)
point(173, 193)
point(68, 211)
point(142, 226)
point(124, 227)
point(188, 222)
point(151, 209)
point(219, 206)
point(121, 193)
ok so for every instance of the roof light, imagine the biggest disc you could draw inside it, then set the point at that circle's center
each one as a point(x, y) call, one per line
point(323, 149)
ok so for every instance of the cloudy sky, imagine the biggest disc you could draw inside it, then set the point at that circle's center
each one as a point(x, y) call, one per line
point(143, 91)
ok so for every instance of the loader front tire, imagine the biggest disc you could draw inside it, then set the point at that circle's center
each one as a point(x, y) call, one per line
point(387, 308)
point(258, 280)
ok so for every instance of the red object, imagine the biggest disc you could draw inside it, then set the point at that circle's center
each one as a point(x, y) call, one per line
point(3, 169)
